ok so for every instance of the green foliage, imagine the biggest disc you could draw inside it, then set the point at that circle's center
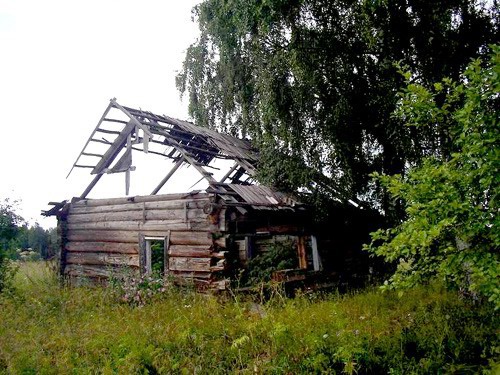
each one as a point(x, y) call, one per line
point(313, 82)
point(452, 203)
point(50, 330)
point(9, 227)
point(10, 222)
point(279, 256)
point(35, 239)
point(157, 257)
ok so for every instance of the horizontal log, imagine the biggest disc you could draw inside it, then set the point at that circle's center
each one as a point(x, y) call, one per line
point(96, 271)
point(190, 238)
point(107, 247)
point(220, 284)
point(190, 275)
point(192, 251)
point(188, 264)
point(102, 259)
point(139, 199)
point(110, 236)
point(139, 216)
point(219, 254)
point(204, 284)
point(155, 225)
point(221, 242)
point(177, 204)
point(176, 237)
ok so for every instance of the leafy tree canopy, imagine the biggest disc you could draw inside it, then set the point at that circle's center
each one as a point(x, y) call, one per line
point(9, 227)
point(452, 229)
point(313, 82)
point(10, 222)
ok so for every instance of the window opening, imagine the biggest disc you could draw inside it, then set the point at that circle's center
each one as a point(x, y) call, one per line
point(156, 256)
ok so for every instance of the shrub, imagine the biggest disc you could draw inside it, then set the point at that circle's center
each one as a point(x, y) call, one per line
point(452, 227)
point(279, 256)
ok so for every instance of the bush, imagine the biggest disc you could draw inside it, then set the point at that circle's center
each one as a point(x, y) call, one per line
point(279, 256)
point(452, 227)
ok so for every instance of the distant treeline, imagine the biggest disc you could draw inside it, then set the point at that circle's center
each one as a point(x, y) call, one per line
point(20, 241)
point(32, 242)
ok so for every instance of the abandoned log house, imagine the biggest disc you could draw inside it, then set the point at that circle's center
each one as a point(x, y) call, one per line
point(201, 236)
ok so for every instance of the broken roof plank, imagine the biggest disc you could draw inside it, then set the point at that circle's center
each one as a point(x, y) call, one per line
point(132, 118)
point(231, 170)
point(199, 168)
point(115, 149)
point(185, 141)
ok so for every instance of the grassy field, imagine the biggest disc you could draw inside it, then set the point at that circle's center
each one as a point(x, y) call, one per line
point(46, 329)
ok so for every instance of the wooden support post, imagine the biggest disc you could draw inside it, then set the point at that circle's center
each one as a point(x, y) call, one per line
point(62, 231)
point(167, 177)
point(249, 247)
point(127, 172)
point(166, 248)
point(315, 253)
point(142, 254)
point(301, 250)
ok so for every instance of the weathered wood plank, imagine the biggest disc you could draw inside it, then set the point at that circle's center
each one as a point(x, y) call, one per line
point(139, 215)
point(114, 149)
point(95, 271)
point(186, 276)
point(176, 237)
point(220, 242)
point(190, 238)
point(194, 251)
point(108, 236)
point(189, 264)
point(156, 225)
point(139, 199)
point(107, 247)
point(102, 259)
point(301, 250)
point(176, 204)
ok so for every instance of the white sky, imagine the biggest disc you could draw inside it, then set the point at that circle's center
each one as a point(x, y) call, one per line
point(60, 63)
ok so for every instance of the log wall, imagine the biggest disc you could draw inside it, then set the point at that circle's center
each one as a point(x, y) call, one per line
point(103, 236)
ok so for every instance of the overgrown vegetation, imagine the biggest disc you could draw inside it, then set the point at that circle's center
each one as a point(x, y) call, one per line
point(452, 226)
point(51, 330)
point(9, 227)
point(18, 241)
point(279, 256)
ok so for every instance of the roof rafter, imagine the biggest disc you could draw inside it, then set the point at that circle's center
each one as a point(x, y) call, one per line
point(185, 142)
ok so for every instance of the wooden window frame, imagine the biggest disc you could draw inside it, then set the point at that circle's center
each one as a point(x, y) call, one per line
point(145, 252)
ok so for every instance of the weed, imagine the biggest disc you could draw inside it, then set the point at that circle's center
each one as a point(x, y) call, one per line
point(52, 329)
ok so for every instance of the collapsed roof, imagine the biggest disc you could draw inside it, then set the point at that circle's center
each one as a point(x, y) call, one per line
point(122, 130)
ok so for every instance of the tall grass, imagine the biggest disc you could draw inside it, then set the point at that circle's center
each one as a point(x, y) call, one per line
point(50, 329)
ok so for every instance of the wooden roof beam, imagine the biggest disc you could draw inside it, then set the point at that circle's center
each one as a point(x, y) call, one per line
point(167, 177)
point(91, 136)
point(194, 163)
point(231, 170)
